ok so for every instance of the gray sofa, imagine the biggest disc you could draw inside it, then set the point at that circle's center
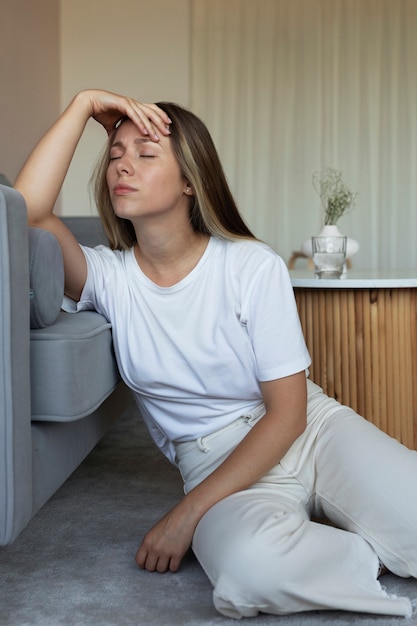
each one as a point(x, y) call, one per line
point(60, 389)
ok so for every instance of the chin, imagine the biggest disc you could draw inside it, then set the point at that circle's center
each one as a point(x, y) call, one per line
point(125, 213)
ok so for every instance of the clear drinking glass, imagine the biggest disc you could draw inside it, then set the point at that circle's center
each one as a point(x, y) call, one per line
point(329, 256)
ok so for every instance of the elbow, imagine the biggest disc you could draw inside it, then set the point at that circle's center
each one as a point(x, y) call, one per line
point(300, 425)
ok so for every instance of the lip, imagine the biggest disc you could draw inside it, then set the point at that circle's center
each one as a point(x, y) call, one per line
point(123, 190)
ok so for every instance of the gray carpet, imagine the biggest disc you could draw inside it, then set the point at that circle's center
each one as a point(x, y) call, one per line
point(74, 563)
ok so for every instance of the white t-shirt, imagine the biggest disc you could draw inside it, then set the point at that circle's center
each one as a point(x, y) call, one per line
point(194, 353)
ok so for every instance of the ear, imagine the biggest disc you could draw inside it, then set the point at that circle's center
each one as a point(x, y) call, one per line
point(188, 190)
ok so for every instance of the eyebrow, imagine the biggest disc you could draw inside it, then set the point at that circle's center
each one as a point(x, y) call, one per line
point(138, 140)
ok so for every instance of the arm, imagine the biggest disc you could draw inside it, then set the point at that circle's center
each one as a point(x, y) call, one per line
point(43, 174)
point(263, 448)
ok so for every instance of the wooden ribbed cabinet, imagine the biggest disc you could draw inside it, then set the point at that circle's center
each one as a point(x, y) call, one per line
point(363, 344)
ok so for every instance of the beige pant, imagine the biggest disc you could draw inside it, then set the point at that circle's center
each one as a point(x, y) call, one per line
point(259, 547)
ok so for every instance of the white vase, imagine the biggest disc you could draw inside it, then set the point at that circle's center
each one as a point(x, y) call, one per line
point(331, 230)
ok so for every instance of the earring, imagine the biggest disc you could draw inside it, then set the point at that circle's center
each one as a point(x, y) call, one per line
point(188, 190)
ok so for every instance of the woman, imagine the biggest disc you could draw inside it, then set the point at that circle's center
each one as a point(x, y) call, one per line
point(207, 336)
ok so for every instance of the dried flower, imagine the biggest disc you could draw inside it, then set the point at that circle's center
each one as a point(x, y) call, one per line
point(336, 198)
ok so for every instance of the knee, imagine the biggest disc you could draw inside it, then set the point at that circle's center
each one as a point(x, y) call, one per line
point(254, 581)
point(244, 586)
point(248, 564)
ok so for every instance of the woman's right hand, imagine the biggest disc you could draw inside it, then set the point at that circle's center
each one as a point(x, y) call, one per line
point(109, 108)
point(41, 177)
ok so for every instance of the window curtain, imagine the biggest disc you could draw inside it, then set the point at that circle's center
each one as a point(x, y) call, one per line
point(290, 87)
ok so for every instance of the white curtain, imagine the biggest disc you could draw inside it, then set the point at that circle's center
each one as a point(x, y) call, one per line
point(288, 87)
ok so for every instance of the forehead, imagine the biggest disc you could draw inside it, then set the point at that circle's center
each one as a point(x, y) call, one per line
point(126, 129)
point(129, 132)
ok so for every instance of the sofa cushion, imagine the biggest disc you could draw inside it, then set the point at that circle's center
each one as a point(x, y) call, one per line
point(73, 368)
point(88, 230)
point(4, 180)
point(46, 278)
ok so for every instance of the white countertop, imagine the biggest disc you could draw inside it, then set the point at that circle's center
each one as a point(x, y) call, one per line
point(353, 279)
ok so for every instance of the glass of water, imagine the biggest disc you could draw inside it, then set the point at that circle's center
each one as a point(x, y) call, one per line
point(329, 256)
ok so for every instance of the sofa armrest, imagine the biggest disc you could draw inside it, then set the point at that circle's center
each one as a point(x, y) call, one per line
point(15, 420)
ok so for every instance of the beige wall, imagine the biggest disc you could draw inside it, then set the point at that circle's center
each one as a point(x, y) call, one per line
point(138, 48)
point(29, 74)
point(50, 49)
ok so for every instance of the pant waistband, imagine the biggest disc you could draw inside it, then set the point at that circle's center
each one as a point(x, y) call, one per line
point(181, 447)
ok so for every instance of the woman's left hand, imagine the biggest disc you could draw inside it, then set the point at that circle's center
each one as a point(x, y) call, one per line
point(166, 543)
point(261, 449)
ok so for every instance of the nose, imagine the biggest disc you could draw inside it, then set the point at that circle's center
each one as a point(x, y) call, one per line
point(124, 165)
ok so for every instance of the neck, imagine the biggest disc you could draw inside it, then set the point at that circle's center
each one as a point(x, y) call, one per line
point(166, 257)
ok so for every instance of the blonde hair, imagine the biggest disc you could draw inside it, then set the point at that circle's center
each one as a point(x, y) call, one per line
point(212, 207)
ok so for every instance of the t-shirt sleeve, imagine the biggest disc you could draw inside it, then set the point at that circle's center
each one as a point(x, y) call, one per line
point(273, 323)
point(100, 263)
